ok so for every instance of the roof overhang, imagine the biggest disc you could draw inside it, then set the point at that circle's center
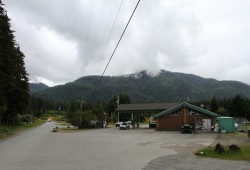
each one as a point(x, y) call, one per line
point(190, 106)
point(144, 107)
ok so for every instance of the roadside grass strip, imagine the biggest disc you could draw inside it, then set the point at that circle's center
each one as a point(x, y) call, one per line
point(243, 155)
point(7, 131)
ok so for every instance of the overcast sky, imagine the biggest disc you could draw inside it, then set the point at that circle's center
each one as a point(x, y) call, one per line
point(66, 39)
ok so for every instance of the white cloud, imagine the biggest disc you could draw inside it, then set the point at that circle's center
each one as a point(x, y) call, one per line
point(209, 38)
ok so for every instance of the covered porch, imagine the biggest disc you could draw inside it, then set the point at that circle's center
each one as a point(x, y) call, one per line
point(134, 110)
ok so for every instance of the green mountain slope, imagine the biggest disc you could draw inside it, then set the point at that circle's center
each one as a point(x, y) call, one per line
point(165, 87)
point(36, 87)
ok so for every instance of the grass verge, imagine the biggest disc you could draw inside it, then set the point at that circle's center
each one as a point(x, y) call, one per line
point(7, 131)
point(243, 155)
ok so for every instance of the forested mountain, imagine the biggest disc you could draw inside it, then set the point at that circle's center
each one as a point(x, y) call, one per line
point(36, 87)
point(166, 87)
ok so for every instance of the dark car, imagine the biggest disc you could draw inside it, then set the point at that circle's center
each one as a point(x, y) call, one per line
point(152, 124)
point(186, 128)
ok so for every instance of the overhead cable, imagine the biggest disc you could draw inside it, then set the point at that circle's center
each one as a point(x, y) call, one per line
point(112, 29)
point(87, 32)
point(98, 27)
point(117, 45)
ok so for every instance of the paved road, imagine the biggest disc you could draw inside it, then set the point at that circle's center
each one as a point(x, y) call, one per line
point(101, 149)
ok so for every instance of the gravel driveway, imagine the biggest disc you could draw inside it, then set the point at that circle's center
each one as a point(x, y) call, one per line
point(108, 149)
point(189, 162)
point(185, 160)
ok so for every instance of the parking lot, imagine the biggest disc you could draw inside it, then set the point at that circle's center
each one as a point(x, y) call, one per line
point(108, 149)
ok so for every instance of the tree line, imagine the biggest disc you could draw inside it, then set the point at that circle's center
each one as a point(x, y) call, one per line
point(78, 112)
point(237, 106)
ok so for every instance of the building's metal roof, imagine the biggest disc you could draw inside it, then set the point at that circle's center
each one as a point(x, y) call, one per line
point(190, 106)
point(144, 107)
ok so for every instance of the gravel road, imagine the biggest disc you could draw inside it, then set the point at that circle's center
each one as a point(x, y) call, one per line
point(108, 149)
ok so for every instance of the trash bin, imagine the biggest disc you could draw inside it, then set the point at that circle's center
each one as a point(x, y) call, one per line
point(249, 133)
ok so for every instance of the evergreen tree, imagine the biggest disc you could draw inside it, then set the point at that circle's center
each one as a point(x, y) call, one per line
point(238, 106)
point(14, 90)
point(213, 105)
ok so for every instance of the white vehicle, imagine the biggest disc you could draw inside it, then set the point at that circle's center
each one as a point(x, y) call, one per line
point(129, 122)
point(118, 124)
point(124, 126)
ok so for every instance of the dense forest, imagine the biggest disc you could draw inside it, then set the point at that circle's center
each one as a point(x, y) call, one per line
point(236, 106)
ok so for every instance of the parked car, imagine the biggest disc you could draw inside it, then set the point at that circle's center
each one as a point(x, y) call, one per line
point(129, 122)
point(152, 124)
point(186, 128)
point(118, 124)
point(124, 126)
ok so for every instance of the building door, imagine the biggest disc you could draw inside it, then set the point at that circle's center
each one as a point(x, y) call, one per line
point(206, 124)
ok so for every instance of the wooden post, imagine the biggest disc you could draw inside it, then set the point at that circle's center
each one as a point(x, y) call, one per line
point(185, 114)
point(118, 104)
point(137, 120)
point(132, 119)
point(195, 123)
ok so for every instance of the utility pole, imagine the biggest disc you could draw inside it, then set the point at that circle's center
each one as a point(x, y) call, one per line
point(195, 123)
point(81, 103)
point(118, 103)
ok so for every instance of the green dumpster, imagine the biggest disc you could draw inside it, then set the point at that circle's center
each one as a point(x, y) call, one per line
point(226, 124)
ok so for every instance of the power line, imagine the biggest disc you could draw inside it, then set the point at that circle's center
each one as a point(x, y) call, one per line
point(98, 30)
point(98, 27)
point(87, 32)
point(112, 29)
point(117, 45)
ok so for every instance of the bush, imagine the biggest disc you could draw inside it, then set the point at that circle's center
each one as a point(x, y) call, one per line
point(4, 129)
point(114, 118)
point(81, 119)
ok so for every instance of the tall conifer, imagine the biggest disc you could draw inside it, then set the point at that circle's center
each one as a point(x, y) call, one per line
point(14, 91)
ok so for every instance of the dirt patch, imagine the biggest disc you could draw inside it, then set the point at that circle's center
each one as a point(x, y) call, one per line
point(232, 138)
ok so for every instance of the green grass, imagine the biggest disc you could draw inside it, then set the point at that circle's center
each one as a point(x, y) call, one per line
point(7, 131)
point(243, 155)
